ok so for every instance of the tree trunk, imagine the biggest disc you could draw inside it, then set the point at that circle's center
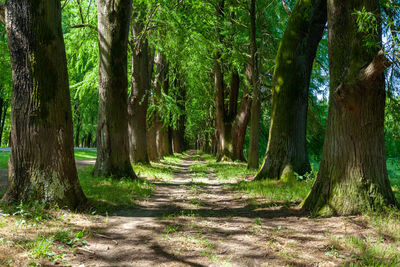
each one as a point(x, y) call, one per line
point(353, 176)
point(286, 152)
point(138, 99)
point(42, 165)
point(112, 125)
point(224, 138)
point(152, 139)
point(78, 125)
point(3, 121)
point(256, 102)
point(2, 105)
point(240, 126)
point(178, 134)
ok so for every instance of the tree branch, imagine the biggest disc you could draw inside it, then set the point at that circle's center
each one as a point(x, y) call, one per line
point(83, 26)
point(2, 13)
point(378, 65)
point(286, 7)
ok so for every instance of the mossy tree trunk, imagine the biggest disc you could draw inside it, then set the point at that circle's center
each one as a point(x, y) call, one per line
point(112, 125)
point(353, 176)
point(138, 98)
point(42, 165)
point(287, 152)
point(256, 101)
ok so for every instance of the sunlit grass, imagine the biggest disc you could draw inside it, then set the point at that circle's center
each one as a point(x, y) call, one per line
point(85, 154)
point(79, 155)
point(4, 156)
point(107, 194)
point(273, 191)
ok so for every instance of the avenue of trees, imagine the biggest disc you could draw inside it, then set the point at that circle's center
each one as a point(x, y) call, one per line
point(273, 83)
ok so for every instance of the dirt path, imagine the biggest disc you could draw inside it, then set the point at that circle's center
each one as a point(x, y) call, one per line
point(200, 222)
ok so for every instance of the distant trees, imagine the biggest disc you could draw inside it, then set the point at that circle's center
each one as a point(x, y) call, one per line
point(112, 124)
point(353, 176)
point(42, 165)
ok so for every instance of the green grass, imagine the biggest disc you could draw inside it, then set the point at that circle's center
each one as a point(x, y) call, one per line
point(275, 191)
point(85, 154)
point(106, 194)
point(4, 156)
point(207, 166)
point(79, 155)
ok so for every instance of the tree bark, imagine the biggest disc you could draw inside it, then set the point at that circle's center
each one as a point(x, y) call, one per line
point(42, 165)
point(3, 121)
point(240, 126)
point(2, 13)
point(287, 152)
point(152, 139)
point(256, 101)
point(112, 125)
point(138, 99)
point(353, 176)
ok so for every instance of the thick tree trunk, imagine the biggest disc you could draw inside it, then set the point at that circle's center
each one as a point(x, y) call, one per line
point(256, 101)
point(224, 138)
point(240, 126)
point(78, 126)
point(42, 165)
point(286, 152)
point(178, 134)
point(163, 146)
point(112, 125)
point(152, 139)
point(353, 176)
point(138, 99)
point(178, 138)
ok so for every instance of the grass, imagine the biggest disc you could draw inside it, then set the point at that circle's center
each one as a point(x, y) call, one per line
point(206, 166)
point(79, 155)
point(85, 154)
point(107, 195)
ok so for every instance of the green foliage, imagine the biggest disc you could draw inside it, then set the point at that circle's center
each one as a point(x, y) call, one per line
point(82, 56)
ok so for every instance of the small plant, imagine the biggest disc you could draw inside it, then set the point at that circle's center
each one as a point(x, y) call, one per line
point(171, 229)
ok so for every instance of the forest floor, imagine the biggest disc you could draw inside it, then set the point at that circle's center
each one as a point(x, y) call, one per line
point(196, 217)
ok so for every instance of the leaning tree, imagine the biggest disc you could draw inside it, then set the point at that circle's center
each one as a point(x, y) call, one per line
point(353, 176)
point(112, 124)
point(286, 152)
point(42, 165)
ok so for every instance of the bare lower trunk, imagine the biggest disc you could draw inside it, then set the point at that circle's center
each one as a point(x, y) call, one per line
point(112, 125)
point(286, 152)
point(240, 126)
point(353, 176)
point(138, 99)
point(152, 140)
point(256, 102)
point(42, 165)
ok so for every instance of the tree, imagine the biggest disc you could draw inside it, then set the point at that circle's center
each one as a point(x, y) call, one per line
point(286, 152)
point(256, 101)
point(138, 98)
point(230, 125)
point(42, 165)
point(353, 176)
point(112, 124)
